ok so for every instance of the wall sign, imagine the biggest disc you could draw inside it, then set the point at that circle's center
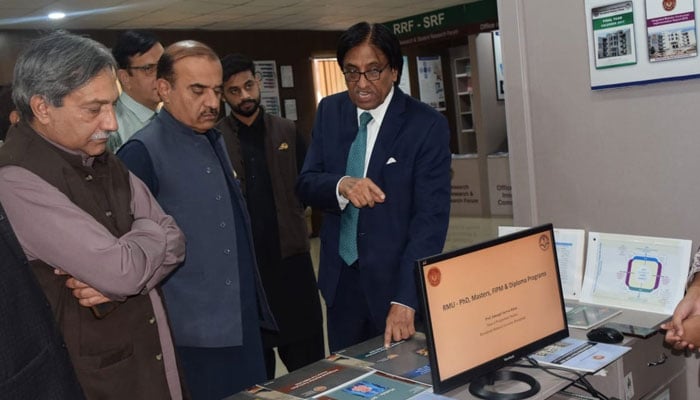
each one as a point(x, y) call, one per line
point(269, 90)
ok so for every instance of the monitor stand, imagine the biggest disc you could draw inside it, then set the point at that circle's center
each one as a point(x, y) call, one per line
point(478, 386)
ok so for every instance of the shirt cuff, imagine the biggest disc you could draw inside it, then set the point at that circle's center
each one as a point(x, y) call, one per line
point(342, 201)
point(401, 304)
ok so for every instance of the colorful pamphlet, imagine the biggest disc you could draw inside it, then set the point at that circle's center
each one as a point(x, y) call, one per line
point(377, 385)
point(317, 378)
point(671, 29)
point(579, 355)
point(407, 358)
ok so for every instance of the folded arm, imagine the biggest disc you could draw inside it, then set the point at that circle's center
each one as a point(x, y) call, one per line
point(53, 229)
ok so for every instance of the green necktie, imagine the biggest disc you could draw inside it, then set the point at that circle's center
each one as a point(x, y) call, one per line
point(347, 247)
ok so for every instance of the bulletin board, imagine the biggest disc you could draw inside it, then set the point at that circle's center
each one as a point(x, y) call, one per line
point(637, 42)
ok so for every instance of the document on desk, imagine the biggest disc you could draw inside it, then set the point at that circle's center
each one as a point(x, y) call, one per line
point(377, 385)
point(319, 377)
point(407, 358)
point(579, 355)
point(260, 393)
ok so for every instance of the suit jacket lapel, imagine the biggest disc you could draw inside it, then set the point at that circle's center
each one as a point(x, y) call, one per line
point(388, 132)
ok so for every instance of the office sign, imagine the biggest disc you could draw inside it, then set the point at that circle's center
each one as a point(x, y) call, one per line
point(473, 17)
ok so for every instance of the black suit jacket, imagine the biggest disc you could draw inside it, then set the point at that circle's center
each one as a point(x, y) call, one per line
point(34, 362)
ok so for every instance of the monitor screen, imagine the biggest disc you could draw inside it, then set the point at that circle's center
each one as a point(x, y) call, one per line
point(490, 304)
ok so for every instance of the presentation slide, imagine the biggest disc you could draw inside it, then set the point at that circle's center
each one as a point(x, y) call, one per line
point(570, 248)
point(510, 296)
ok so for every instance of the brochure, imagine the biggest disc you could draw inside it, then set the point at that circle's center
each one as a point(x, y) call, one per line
point(377, 385)
point(407, 358)
point(613, 35)
point(586, 316)
point(317, 378)
point(671, 30)
point(579, 355)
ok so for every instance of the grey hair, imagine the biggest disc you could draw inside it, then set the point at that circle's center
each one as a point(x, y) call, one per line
point(55, 65)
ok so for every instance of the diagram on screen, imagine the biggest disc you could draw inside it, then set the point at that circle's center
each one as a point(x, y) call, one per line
point(643, 274)
point(635, 272)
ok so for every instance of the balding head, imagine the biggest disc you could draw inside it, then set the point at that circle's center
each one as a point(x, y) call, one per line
point(179, 50)
point(190, 84)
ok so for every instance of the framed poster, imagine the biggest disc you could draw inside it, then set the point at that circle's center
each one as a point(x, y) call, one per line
point(431, 84)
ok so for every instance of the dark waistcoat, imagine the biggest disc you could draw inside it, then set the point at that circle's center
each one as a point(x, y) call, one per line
point(118, 356)
point(280, 155)
point(203, 296)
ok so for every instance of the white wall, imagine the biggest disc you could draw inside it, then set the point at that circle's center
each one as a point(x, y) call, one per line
point(623, 160)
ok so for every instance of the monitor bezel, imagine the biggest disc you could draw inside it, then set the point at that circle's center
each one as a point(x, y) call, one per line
point(442, 386)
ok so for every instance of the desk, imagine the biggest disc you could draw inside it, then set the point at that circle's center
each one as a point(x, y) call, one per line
point(549, 386)
point(638, 375)
point(646, 372)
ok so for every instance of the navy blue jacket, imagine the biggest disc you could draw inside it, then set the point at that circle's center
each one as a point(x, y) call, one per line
point(410, 162)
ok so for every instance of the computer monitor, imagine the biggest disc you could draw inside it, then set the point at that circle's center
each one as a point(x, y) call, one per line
point(490, 304)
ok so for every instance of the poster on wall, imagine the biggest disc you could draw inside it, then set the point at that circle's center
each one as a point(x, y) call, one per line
point(638, 42)
point(498, 65)
point(431, 83)
point(613, 35)
point(671, 30)
point(269, 90)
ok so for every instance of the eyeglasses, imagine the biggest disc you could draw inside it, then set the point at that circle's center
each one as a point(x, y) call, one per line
point(148, 69)
point(371, 75)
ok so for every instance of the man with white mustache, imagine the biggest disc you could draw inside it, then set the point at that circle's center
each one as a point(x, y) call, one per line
point(215, 300)
point(94, 236)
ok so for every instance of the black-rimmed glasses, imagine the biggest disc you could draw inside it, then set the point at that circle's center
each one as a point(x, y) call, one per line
point(372, 74)
point(148, 69)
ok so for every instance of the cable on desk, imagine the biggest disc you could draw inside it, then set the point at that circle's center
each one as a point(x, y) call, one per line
point(576, 395)
point(580, 382)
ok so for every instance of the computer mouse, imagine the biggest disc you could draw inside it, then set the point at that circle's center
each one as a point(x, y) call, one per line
point(605, 335)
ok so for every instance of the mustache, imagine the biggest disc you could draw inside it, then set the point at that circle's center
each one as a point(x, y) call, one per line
point(102, 135)
point(210, 112)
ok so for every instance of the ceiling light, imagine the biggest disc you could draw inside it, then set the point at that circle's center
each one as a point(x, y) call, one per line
point(57, 15)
